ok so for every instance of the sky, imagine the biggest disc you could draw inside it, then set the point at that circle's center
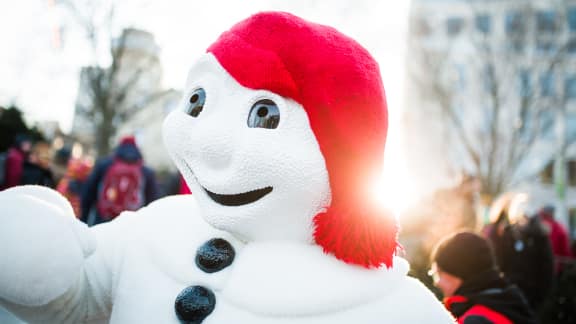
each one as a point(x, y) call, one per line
point(40, 72)
point(42, 77)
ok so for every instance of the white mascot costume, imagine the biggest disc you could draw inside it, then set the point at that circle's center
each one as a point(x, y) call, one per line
point(280, 134)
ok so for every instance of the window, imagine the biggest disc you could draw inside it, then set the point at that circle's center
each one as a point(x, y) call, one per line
point(483, 23)
point(547, 175)
point(524, 80)
point(514, 23)
point(571, 46)
point(572, 222)
point(454, 25)
point(571, 166)
point(571, 15)
point(546, 21)
point(570, 87)
point(546, 120)
point(516, 45)
point(545, 46)
point(547, 84)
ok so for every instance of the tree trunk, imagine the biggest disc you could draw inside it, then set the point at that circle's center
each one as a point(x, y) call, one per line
point(103, 137)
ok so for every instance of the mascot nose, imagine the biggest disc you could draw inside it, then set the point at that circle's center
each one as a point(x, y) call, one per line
point(216, 150)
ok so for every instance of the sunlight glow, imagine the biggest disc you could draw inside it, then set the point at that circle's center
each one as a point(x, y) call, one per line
point(394, 190)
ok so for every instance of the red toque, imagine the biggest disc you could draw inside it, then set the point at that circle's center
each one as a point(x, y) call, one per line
point(128, 140)
point(338, 83)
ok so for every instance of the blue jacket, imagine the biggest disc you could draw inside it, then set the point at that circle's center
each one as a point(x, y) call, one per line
point(126, 152)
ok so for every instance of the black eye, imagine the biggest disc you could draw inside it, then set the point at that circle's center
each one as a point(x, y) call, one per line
point(264, 114)
point(196, 102)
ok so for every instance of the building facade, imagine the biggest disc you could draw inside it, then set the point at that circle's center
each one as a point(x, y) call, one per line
point(146, 126)
point(492, 93)
point(130, 84)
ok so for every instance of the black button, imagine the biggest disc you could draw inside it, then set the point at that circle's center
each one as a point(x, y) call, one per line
point(194, 304)
point(215, 255)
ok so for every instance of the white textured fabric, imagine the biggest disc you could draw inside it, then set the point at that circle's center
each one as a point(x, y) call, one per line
point(268, 282)
point(41, 254)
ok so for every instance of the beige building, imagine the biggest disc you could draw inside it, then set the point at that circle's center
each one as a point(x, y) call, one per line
point(135, 76)
point(146, 125)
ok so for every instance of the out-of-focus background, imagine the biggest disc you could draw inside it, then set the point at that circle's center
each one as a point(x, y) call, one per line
point(481, 95)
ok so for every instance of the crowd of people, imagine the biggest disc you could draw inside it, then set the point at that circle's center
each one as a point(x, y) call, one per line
point(27, 163)
point(97, 192)
point(518, 269)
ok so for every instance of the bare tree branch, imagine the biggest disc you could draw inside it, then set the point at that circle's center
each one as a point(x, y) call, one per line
point(110, 90)
point(503, 81)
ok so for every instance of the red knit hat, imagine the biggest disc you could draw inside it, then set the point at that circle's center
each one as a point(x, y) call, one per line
point(338, 83)
point(130, 139)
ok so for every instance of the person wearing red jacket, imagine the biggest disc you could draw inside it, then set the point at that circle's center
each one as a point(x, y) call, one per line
point(558, 236)
point(475, 292)
point(15, 159)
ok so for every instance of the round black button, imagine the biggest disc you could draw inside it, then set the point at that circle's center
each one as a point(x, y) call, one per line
point(194, 304)
point(215, 255)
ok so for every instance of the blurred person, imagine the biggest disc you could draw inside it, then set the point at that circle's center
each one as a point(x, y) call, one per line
point(475, 292)
point(558, 237)
point(14, 161)
point(169, 183)
point(60, 162)
point(71, 184)
point(36, 169)
point(522, 248)
point(117, 183)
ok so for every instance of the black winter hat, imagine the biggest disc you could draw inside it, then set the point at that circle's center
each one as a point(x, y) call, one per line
point(464, 255)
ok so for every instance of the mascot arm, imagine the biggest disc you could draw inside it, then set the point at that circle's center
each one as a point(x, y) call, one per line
point(51, 269)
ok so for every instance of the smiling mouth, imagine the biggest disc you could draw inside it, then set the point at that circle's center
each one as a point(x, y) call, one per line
point(239, 199)
point(234, 200)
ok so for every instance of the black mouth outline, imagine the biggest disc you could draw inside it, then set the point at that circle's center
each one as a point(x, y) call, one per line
point(233, 200)
point(238, 199)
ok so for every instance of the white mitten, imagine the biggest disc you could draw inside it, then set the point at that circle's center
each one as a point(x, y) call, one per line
point(42, 245)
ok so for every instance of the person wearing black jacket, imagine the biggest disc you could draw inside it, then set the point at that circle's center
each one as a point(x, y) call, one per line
point(36, 169)
point(464, 268)
point(522, 248)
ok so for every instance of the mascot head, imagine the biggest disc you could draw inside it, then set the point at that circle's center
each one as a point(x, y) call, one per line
point(281, 135)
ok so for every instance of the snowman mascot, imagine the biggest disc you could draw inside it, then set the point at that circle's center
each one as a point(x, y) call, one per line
point(280, 133)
